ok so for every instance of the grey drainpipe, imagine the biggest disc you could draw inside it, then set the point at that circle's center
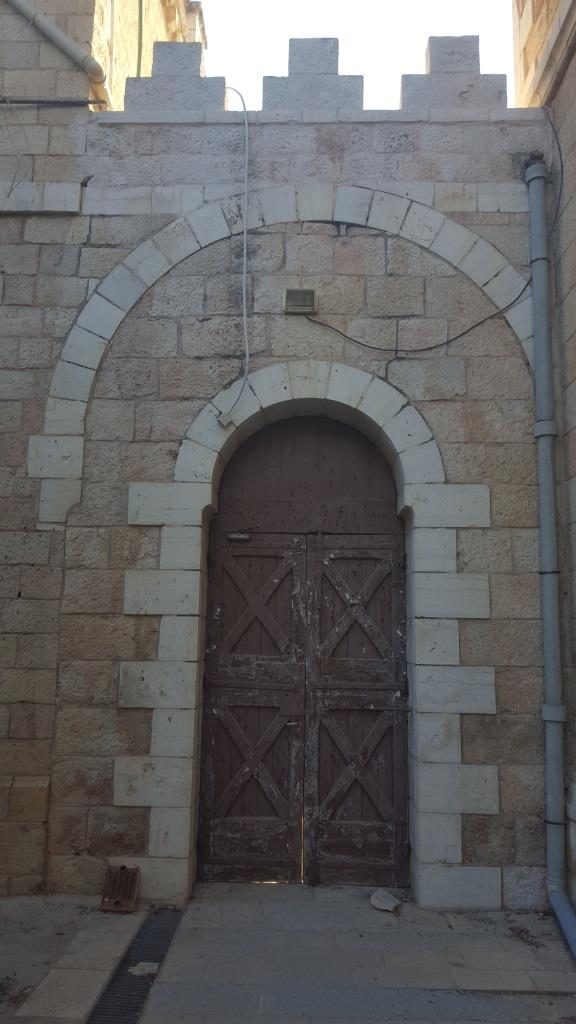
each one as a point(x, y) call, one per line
point(83, 60)
point(545, 431)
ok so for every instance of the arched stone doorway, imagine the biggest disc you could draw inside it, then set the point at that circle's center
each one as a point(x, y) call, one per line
point(304, 768)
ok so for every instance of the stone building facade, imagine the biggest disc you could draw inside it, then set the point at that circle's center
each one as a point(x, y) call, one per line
point(122, 402)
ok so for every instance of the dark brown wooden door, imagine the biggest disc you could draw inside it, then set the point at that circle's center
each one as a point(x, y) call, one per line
point(304, 759)
point(355, 773)
point(253, 741)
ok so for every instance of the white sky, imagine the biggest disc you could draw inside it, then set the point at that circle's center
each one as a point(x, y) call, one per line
point(380, 39)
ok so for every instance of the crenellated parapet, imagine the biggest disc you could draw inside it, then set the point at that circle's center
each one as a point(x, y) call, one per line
point(177, 82)
point(453, 78)
point(313, 81)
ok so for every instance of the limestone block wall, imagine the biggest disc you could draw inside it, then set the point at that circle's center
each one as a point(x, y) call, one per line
point(481, 740)
point(108, 29)
point(120, 330)
point(546, 73)
point(32, 66)
point(563, 245)
point(542, 31)
point(115, 38)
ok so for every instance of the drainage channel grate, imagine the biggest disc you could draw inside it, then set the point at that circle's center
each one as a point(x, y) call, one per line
point(123, 998)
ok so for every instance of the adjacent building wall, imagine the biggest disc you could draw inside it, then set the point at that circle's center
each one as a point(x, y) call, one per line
point(115, 38)
point(30, 66)
point(546, 74)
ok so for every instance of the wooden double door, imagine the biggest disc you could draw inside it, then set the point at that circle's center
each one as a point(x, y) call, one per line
point(304, 732)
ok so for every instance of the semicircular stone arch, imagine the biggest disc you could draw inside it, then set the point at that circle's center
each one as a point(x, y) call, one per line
point(441, 688)
point(59, 450)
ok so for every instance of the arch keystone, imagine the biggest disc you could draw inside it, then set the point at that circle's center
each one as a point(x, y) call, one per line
point(315, 202)
point(352, 204)
point(308, 378)
point(278, 204)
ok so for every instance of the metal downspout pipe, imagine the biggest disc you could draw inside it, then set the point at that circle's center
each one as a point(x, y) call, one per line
point(545, 432)
point(55, 35)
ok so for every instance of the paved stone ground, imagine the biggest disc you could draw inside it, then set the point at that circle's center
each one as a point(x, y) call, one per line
point(287, 954)
point(56, 955)
point(34, 933)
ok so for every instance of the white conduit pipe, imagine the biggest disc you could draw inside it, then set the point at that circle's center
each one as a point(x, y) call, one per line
point(545, 431)
point(83, 60)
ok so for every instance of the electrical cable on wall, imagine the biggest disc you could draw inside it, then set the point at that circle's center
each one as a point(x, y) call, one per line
point(406, 353)
point(224, 418)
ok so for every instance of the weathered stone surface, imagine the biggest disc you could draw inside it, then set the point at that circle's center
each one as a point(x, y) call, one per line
point(391, 296)
point(29, 799)
point(134, 547)
point(514, 505)
point(93, 637)
point(484, 551)
point(8, 645)
point(502, 643)
point(31, 721)
point(429, 379)
point(67, 830)
point(25, 756)
point(191, 378)
point(110, 420)
point(108, 461)
point(32, 686)
point(24, 616)
point(499, 378)
point(127, 379)
point(24, 548)
point(525, 550)
point(502, 739)
point(522, 789)
point(102, 731)
point(515, 596)
point(530, 845)
point(88, 682)
point(41, 582)
point(220, 336)
point(81, 875)
point(83, 781)
point(165, 421)
point(494, 463)
point(87, 548)
point(524, 888)
point(93, 590)
point(116, 831)
point(21, 848)
point(102, 504)
point(519, 690)
point(140, 338)
point(487, 840)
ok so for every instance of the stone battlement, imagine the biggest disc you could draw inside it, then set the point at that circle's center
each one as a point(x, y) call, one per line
point(452, 80)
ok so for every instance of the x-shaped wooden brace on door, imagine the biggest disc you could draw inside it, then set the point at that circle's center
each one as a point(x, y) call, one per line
point(355, 608)
point(253, 766)
point(256, 604)
point(356, 769)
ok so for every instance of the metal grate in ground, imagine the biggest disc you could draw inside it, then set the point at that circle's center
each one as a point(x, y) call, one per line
point(123, 998)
